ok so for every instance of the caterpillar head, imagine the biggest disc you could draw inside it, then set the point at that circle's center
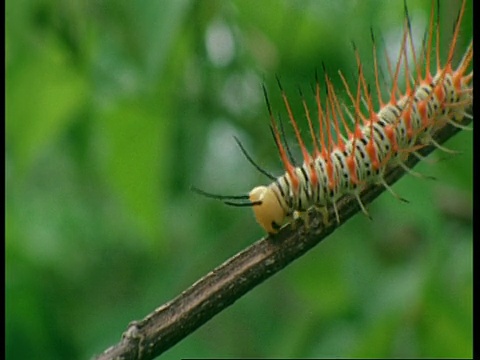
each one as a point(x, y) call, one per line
point(267, 208)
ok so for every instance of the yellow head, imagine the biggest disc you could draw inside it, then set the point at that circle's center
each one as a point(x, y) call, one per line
point(267, 208)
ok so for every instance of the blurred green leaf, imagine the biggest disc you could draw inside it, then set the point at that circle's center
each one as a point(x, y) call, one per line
point(42, 95)
point(134, 152)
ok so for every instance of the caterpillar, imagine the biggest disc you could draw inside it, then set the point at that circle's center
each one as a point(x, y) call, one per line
point(344, 163)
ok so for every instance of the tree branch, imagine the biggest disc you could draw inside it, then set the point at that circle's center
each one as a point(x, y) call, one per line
point(173, 321)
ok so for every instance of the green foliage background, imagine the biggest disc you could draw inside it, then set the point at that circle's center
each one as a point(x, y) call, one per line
point(114, 108)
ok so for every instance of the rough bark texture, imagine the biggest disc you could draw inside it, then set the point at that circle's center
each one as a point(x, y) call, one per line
point(173, 321)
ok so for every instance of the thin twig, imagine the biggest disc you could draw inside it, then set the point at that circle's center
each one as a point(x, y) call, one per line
point(175, 320)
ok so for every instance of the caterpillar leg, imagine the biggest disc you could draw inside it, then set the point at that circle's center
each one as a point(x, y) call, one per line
point(427, 160)
point(291, 219)
point(423, 158)
point(336, 212)
point(302, 215)
point(390, 190)
point(460, 126)
point(362, 207)
point(443, 148)
point(415, 173)
point(324, 212)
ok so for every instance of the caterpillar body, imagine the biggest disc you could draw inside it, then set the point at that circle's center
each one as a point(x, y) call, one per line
point(344, 164)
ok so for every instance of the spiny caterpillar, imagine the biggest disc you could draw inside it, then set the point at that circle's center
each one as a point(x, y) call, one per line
point(374, 140)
